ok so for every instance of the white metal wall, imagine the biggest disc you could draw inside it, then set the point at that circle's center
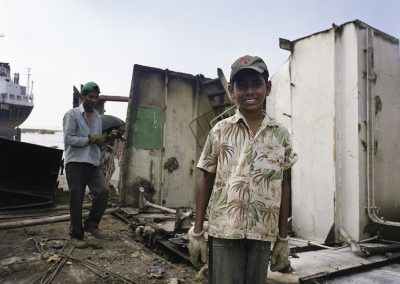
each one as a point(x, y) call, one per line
point(386, 127)
point(323, 86)
point(349, 70)
point(313, 120)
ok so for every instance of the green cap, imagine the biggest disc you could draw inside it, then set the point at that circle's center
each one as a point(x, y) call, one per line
point(90, 87)
point(249, 62)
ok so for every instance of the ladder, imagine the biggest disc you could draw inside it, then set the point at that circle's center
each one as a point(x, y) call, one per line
point(222, 106)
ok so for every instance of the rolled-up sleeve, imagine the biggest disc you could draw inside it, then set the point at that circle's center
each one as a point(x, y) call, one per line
point(70, 127)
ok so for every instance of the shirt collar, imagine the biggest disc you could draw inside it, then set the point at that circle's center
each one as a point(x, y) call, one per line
point(82, 110)
point(267, 121)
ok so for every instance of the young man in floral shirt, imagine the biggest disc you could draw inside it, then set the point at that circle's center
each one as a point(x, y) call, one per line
point(244, 163)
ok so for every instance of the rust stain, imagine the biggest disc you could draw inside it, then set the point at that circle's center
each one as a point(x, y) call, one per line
point(364, 144)
point(378, 105)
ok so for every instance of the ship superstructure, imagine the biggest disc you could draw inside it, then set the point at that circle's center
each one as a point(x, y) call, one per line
point(16, 102)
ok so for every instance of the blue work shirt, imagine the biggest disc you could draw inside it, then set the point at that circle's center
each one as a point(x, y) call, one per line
point(76, 136)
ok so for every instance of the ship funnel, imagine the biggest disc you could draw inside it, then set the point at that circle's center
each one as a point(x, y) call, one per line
point(16, 78)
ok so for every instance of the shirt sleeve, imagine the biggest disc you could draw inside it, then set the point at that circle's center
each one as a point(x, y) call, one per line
point(209, 157)
point(70, 127)
point(290, 156)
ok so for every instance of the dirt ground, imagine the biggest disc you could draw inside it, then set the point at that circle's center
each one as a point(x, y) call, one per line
point(20, 261)
point(116, 259)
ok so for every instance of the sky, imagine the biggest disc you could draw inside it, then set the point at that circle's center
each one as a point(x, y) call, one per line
point(71, 42)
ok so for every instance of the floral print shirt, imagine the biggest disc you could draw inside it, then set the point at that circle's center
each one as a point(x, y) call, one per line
point(246, 196)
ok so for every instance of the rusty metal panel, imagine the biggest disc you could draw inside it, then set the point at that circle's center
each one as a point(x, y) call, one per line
point(147, 91)
point(178, 185)
point(172, 100)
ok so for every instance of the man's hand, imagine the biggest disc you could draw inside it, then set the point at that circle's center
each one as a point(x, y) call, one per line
point(197, 248)
point(98, 139)
point(280, 254)
point(101, 139)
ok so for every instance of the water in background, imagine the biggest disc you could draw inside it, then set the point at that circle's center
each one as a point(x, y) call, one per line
point(54, 140)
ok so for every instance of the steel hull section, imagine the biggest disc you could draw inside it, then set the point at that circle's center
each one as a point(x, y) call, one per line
point(12, 116)
point(28, 174)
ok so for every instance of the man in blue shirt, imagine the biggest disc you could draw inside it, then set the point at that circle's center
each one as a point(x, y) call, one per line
point(82, 137)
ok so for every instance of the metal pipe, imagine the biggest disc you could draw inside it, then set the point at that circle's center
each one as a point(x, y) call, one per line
point(353, 245)
point(311, 243)
point(53, 219)
point(368, 240)
point(370, 139)
point(164, 116)
point(149, 204)
point(25, 213)
point(162, 208)
point(389, 241)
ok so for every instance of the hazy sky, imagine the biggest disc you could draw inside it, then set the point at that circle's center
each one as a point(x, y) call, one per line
point(70, 42)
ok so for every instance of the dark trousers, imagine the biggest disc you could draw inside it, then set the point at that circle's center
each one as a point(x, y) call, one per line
point(80, 175)
point(240, 261)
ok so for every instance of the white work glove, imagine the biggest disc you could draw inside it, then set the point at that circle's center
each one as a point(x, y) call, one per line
point(280, 254)
point(197, 248)
point(203, 273)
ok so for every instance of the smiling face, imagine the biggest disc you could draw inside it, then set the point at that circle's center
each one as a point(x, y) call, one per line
point(249, 90)
point(90, 100)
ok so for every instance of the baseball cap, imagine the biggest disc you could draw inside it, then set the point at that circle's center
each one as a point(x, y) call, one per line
point(90, 87)
point(249, 62)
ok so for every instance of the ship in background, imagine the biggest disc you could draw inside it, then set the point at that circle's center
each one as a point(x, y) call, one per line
point(16, 103)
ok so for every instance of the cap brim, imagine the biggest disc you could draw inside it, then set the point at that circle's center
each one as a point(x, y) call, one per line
point(259, 70)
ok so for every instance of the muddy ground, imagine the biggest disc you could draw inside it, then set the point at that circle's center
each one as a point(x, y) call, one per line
point(25, 255)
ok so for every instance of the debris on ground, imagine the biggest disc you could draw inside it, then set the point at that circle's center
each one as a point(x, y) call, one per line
point(130, 252)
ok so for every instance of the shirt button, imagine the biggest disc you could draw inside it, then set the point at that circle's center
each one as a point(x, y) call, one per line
point(251, 167)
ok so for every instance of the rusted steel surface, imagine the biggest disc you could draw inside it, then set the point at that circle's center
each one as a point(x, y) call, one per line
point(162, 103)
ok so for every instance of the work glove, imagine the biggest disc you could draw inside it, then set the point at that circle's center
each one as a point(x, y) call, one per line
point(280, 254)
point(203, 273)
point(98, 139)
point(197, 248)
point(101, 139)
